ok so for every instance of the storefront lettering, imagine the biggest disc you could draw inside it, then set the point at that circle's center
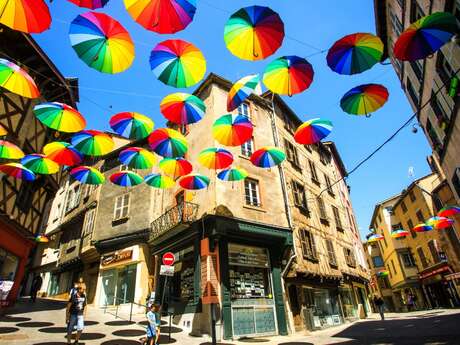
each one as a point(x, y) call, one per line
point(434, 272)
point(116, 257)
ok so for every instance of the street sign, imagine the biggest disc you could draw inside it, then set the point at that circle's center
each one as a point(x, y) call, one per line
point(168, 259)
point(166, 270)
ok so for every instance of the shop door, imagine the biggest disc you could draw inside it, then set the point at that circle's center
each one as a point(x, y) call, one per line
point(126, 284)
point(108, 287)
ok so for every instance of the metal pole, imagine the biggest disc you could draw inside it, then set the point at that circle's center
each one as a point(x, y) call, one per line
point(169, 342)
point(213, 324)
point(131, 312)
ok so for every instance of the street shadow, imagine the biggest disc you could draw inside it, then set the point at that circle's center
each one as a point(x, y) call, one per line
point(129, 333)
point(23, 306)
point(14, 319)
point(120, 342)
point(89, 336)
point(36, 324)
point(165, 329)
point(145, 323)
point(91, 323)
point(119, 323)
point(253, 340)
point(53, 330)
point(4, 330)
point(56, 343)
point(164, 339)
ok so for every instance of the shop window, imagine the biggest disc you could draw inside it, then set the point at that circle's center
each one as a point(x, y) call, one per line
point(8, 267)
point(412, 196)
point(377, 261)
point(314, 174)
point(322, 209)
point(421, 255)
point(247, 149)
point(73, 198)
point(291, 153)
point(326, 311)
point(433, 245)
point(338, 220)
point(121, 208)
point(252, 193)
point(331, 253)
point(298, 191)
point(329, 185)
point(408, 259)
point(182, 287)
point(308, 245)
point(245, 110)
point(89, 222)
point(349, 303)
point(349, 257)
point(403, 207)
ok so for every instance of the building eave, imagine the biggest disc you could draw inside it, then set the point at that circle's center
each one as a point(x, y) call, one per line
point(411, 187)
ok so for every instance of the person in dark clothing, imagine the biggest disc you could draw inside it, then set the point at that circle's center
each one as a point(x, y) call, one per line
point(74, 314)
point(36, 286)
point(378, 301)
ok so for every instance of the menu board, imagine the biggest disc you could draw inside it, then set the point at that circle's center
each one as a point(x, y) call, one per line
point(240, 255)
point(247, 284)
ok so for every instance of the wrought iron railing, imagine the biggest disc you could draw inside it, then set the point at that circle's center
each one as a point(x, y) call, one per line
point(184, 213)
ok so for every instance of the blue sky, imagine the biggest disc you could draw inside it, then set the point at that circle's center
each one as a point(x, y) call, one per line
point(310, 26)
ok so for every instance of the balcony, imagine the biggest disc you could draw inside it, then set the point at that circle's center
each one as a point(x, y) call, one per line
point(178, 216)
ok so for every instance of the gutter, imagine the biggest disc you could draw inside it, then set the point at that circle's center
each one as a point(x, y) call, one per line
point(288, 265)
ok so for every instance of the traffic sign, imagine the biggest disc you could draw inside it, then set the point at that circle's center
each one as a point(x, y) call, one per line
point(168, 259)
point(166, 270)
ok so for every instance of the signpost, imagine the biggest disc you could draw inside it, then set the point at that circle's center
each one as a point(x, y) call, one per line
point(167, 270)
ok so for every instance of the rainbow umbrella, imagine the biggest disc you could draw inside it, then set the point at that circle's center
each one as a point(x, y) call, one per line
point(194, 181)
point(426, 36)
point(87, 175)
point(126, 178)
point(30, 16)
point(241, 90)
point(288, 75)
point(168, 142)
point(382, 273)
point(16, 80)
point(62, 153)
point(374, 238)
point(175, 167)
point(18, 171)
point(364, 99)
point(439, 222)
point(132, 125)
point(101, 42)
point(182, 108)
point(254, 33)
point(10, 151)
point(3, 131)
point(232, 174)
point(40, 164)
point(162, 16)
point(91, 4)
point(312, 131)
point(41, 238)
point(422, 227)
point(177, 63)
point(159, 181)
point(399, 233)
point(215, 158)
point(92, 143)
point(449, 211)
point(232, 130)
point(60, 117)
point(355, 53)
point(267, 157)
point(137, 158)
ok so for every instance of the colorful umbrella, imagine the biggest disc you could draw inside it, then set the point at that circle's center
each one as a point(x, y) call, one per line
point(381, 274)
point(182, 108)
point(10, 151)
point(159, 181)
point(422, 228)
point(132, 125)
point(449, 211)
point(241, 90)
point(254, 33)
point(62, 153)
point(31, 16)
point(101, 42)
point(312, 131)
point(175, 167)
point(87, 175)
point(267, 157)
point(92, 143)
point(18, 171)
point(288, 75)
point(194, 181)
point(232, 130)
point(364, 99)
point(215, 158)
point(91, 4)
point(126, 178)
point(168, 142)
point(40, 164)
point(41, 238)
point(137, 158)
point(399, 233)
point(162, 16)
point(355, 53)
point(439, 222)
point(232, 174)
point(426, 36)
point(177, 63)
point(60, 117)
point(3, 131)
point(16, 80)
point(374, 238)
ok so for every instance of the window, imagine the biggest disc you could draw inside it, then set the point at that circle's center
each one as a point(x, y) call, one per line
point(403, 206)
point(89, 222)
point(88, 190)
point(349, 257)
point(8, 265)
point(417, 69)
point(420, 216)
point(433, 245)
point(291, 153)
point(442, 116)
point(444, 68)
point(244, 110)
point(289, 124)
point(321, 208)
point(73, 198)
point(338, 221)
point(308, 245)
point(298, 191)
point(408, 259)
point(247, 148)
point(416, 11)
point(251, 191)
point(422, 257)
point(121, 207)
point(412, 196)
point(331, 253)
point(328, 185)
point(314, 174)
point(396, 23)
point(435, 141)
point(412, 93)
point(377, 261)
point(25, 196)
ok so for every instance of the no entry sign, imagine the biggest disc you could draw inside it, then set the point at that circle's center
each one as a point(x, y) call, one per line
point(168, 259)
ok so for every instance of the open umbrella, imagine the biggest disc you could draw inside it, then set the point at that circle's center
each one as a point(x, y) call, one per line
point(126, 178)
point(132, 125)
point(194, 181)
point(18, 171)
point(162, 16)
point(312, 131)
point(168, 142)
point(374, 238)
point(267, 157)
point(215, 158)
point(159, 181)
point(364, 99)
point(177, 63)
point(399, 233)
point(137, 158)
point(30, 16)
point(182, 108)
point(62, 153)
point(241, 90)
point(439, 222)
point(232, 130)
point(422, 228)
point(426, 36)
point(60, 117)
point(87, 175)
point(92, 143)
point(42, 238)
point(449, 211)
point(10, 151)
point(40, 164)
point(91, 4)
point(101, 42)
point(175, 167)
point(232, 174)
point(16, 80)
point(382, 273)
point(254, 33)
point(3, 131)
point(288, 75)
point(355, 53)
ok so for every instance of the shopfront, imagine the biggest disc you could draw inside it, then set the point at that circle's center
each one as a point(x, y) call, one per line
point(349, 303)
point(440, 292)
point(322, 308)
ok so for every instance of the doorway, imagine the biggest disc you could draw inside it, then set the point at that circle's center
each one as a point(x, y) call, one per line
point(118, 285)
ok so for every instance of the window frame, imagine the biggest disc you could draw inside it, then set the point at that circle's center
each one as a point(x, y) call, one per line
point(331, 253)
point(248, 108)
point(121, 207)
point(298, 189)
point(350, 258)
point(322, 209)
point(257, 192)
point(292, 154)
point(244, 151)
point(337, 219)
point(308, 245)
point(313, 172)
point(410, 262)
point(90, 218)
point(329, 186)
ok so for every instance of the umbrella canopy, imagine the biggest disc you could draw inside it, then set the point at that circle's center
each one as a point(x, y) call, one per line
point(16, 80)
point(31, 16)
point(126, 178)
point(92, 143)
point(232, 174)
point(177, 63)
point(162, 16)
point(101, 42)
point(3, 131)
point(41, 238)
point(132, 125)
point(62, 153)
point(168, 142)
point(215, 158)
point(426, 36)
point(137, 158)
point(175, 167)
point(439, 222)
point(40, 164)
point(241, 90)
point(10, 151)
point(449, 211)
point(364, 99)
point(91, 4)
point(232, 129)
point(374, 238)
point(87, 175)
point(399, 233)
point(267, 157)
point(194, 181)
point(182, 108)
point(312, 131)
point(159, 181)
point(382, 273)
point(355, 53)
point(422, 227)
point(18, 171)
point(288, 75)
point(60, 117)
point(254, 33)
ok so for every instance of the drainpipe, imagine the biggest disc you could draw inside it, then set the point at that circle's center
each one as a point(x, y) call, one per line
point(288, 265)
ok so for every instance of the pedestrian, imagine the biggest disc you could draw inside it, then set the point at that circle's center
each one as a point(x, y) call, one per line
point(73, 290)
point(153, 329)
point(74, 314)
point(410, 301)
point(378, 301)
point(82, 284)
point(36, 286)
